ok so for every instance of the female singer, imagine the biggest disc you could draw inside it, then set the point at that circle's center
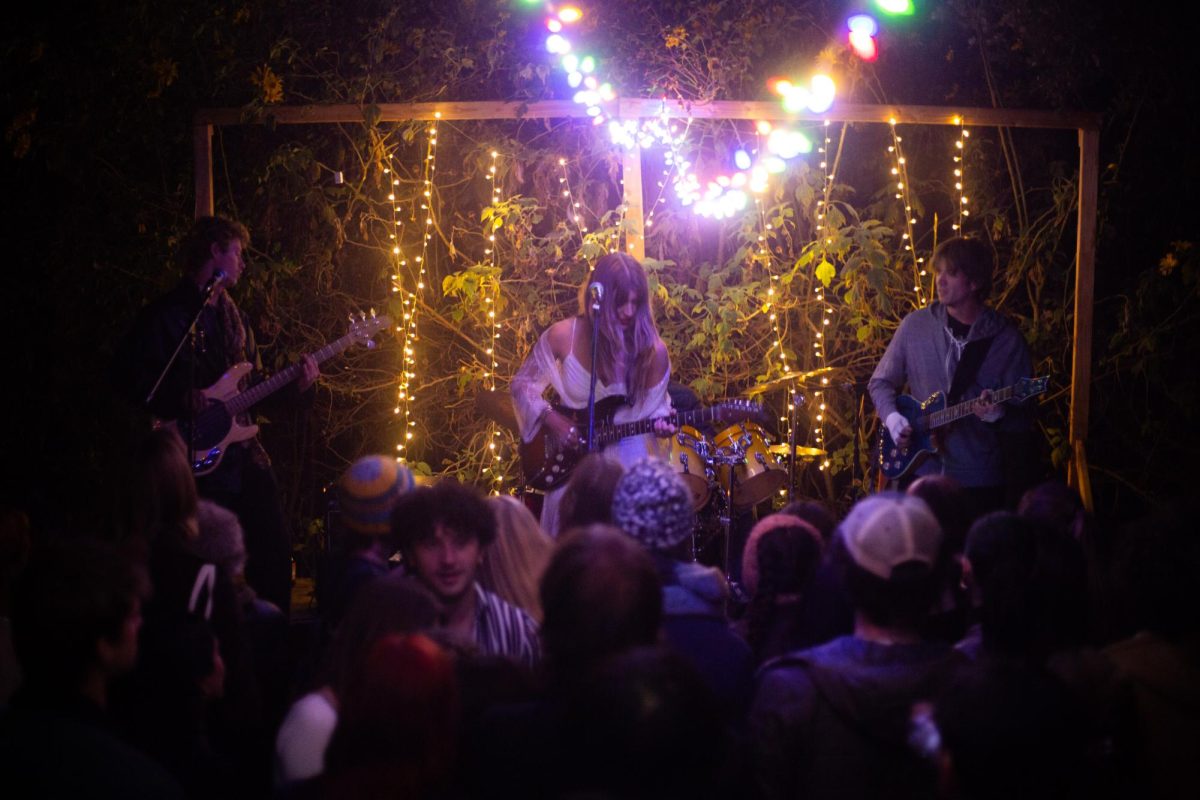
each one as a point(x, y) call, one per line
point(631, 360)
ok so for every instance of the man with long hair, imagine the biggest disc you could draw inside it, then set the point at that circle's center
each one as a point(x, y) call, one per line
point(631, 361)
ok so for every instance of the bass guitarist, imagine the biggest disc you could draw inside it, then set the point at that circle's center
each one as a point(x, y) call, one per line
point(631, 361)
point(212, 260)
point(960, 346)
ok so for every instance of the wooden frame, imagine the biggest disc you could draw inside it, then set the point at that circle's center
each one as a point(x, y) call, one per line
point(1086, 124)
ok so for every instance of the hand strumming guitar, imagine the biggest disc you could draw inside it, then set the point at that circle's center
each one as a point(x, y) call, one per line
point(563, 432)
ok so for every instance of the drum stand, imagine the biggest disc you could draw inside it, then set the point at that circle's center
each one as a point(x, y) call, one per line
point(732, 456)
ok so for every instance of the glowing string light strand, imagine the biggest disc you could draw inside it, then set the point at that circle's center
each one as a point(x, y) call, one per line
point(960, 151)
point(491, 296)
point(903, 194)
point(820, 337)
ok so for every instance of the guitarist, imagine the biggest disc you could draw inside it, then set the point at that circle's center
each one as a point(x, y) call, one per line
point(961, 347)
point(631, 361)
point(244, 481)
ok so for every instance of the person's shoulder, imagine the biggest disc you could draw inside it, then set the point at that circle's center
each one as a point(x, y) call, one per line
point(561, 336)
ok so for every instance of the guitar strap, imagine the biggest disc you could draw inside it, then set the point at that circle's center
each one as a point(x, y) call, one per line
point(968, 367)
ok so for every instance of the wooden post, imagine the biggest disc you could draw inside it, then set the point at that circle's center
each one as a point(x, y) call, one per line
point(635, 220)
point(1085, 280)
point(202, 153)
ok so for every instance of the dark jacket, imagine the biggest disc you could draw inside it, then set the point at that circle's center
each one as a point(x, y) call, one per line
point(833, 721)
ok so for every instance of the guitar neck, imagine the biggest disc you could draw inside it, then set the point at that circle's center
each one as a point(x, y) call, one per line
point(614, 433)
point(261, 391)
point(945, 416)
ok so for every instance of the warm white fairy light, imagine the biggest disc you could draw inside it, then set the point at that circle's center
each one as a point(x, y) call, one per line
point(962, 211)
point(903, 194)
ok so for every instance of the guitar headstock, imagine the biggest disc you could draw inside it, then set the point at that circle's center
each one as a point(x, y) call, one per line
point(1029, 387)
point(364, 326)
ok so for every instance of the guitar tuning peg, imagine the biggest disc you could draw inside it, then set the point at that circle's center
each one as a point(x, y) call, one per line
point(372, 313)
point(362, 316)
point(351, 318)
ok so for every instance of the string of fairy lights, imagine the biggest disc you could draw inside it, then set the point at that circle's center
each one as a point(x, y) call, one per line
point(410, 298)
point(900, 175)
point(828, 177)
point(960, 152)
point(491, 298)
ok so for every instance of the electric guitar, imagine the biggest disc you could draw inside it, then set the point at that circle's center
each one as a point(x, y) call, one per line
point(223, 419)
point(547, 466)
point(896, 462)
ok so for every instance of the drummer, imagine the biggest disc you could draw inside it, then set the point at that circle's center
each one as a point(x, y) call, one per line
point(631, 360)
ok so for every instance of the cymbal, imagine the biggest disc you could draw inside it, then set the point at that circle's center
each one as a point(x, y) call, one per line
point(496, 405)
point(783, 380)
point(801, 450)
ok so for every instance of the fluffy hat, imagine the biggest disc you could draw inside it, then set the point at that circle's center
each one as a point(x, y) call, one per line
point(888, 529)
point(653, 505)
point(368, 491)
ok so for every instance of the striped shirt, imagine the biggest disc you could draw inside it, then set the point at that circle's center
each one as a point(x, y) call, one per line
point(502, 629)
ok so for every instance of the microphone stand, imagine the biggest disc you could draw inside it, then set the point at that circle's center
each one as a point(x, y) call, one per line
point(189, 335)
point(591, 436)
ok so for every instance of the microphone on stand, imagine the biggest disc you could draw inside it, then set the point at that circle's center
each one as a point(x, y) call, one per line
point(218, 277)
point(596, 292)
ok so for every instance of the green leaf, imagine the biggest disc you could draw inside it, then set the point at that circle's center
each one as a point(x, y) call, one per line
point(863, 333)
point(825, 273)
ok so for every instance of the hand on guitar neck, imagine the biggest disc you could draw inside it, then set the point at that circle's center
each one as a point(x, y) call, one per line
point(566, 434)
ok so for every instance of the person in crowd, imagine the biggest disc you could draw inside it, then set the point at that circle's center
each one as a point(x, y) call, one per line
point(653, 505)
point(780, 560)
point(397, 733)
point(15, 547)
point(945, 498)
point(212, 259)
point(367, 492)
point(961, 347)
point(76, 614)
point(1160, 664)
point(1003, 730)
point(513, 566)
point(443, 533)
point(832, 721)
point(394, 604)
point(827, 612)
point(631, 361)
point(602, 597)
point(588, 496)
point(1030, 587)
point(815, 513)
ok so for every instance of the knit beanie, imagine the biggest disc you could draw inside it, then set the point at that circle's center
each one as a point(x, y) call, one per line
point(367, 492)
point(653, 505)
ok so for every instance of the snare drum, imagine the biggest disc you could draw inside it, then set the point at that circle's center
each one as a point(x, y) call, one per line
point(761, 475)
point(689, 458)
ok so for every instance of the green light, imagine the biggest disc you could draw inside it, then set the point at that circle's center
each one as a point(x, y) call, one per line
point(896, 8)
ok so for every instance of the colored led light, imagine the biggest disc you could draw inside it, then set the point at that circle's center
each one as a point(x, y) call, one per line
point(569, 14)
point(553, 25)
point(897, 8)
point(574, 79)
point(863, 46)
point(741, 159)
point(823, 91)
point(570, 62)
point(863, 23)
point(557, 44)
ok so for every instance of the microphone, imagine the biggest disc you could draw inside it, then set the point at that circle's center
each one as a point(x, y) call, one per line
point(596, 292)
point(217, 278)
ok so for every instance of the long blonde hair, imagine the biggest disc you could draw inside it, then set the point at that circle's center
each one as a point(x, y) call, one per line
point(622, 277)
point(515, 561)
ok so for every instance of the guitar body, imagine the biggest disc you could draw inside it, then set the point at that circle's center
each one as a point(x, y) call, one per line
point(216, 427)
point(547, 467)
point(896, 462)
point(925, 418)
point(224, 419)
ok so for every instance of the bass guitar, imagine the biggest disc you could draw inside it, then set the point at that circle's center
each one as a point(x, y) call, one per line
point(222, 419)
point(924, 418)
point(546, 466)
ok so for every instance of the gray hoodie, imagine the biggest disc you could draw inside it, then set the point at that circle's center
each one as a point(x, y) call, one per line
point(923, 356)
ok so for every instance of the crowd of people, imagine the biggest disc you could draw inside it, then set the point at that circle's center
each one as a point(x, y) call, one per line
point(909, 648)
point(961, 636)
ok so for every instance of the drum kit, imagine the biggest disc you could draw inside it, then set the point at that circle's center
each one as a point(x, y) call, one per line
point(736, 470)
